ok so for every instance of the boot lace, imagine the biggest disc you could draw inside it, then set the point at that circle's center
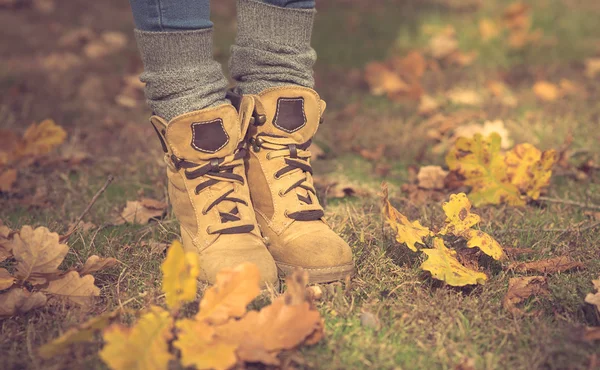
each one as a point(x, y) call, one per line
point(219, 170)
point(297, 166)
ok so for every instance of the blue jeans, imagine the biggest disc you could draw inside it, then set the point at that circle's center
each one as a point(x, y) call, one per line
point(180, 15)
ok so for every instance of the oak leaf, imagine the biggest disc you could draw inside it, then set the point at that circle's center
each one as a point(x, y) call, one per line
point(443, 265)
point(18, 300)
point(529, 168)
point(74, 288)
point(180, 271)
point(141, 212)
point(145, 346)
point(95, 263)
point(84, 332)
point(6, 279)
point(547, 266)
point(407, 232)
point(201, 348)
point(431, 177)
point(234, 289)
point(383, 80)
point(521, 288)
point(38, 254)
point(481, 163)
point(40, 139)
point(486, 129)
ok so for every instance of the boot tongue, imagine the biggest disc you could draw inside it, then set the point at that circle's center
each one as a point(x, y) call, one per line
point(203, 135)
point(292, 112)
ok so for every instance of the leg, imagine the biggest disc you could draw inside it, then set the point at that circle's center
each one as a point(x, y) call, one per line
point(175, 42)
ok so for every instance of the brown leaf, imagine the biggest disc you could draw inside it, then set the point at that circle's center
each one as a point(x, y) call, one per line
point(9, 142)
point(521, 288)
point(95, 263)
point(488, 29)
point(431, 177)
point(427, 105)
point(382, 80)
point(7, 179)
point(592, 67)
point(548, 266)
point(38, 253)
point(371, 154)
point(6, 279)
point(40, 139)
point(411, 67)
point(74, 288)
point(515, 252)
point(443, 44)
point(591, 334)
point(141, 212)
point(5, 242)
point(460, 96)
point(546, 91)
point(18, 300)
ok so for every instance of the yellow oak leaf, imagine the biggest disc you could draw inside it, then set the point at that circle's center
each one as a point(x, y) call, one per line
point(180, 271)
point(145, 346)
point(481, 163)
point(201, 348)
point(443, 265)
point(458, 215)
point(407, 232)
point(529, 168)
point(74, 288)
point(40, 139)
point(6, 279)
point(483, 241)
point(81, 333)
point(38, 254)
point(18, 300)
point(234, 289)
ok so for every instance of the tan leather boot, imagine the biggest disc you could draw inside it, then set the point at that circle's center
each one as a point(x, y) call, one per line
point(205, 151)
point(281, 186)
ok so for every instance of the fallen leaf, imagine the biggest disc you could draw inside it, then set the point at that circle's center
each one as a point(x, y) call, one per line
point(546, 91)
point(521, 288)
point(95, 263)
point(74, 288)
point(409, 233)
point(488, 127)
point(5, 242)
point(19, 300)
point(38, 254)
point(592, 67)
point(180, 271)
point(427, 105)
point(40, 139)
point(443, 265)
point(548, 266)
point(234, 289)
point(8, 178)
point(144, 346)
point(461, 96)
point(371, 154)
point(201, 348)
point(382, 80)
point(79, 334)
point(444, 43)
point(481, 163)
point(141, 212)
point(411, 67)
point(515, 252)
point(488, 29)
point(431, 177)
point(6, 279)
point(594, 298)
point(529, 168)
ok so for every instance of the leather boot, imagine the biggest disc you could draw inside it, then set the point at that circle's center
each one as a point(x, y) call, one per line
point(204, 152)
point(281, 185)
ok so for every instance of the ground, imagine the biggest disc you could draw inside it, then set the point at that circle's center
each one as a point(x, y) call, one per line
point(422, 324)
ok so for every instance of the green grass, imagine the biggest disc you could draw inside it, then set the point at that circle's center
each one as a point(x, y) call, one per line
point(424, 324)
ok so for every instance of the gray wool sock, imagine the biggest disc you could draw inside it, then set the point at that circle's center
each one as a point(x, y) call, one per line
point(179, 71)
point(272, 47)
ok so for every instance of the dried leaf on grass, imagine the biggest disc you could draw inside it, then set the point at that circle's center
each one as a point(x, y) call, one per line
point(521, 288)
point(141, 212)
point(6, 279)
point(37, 141)
point(201, 348)
point(547, 266)
point(431, 177)
point(143, 346)
point(407, 232)
point(443, 265)
point(180, 271)
point(19, 300)
point(96, 263)
point(73, 288)
point(488, 127)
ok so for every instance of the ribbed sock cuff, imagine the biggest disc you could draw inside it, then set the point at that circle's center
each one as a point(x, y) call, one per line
point(179, 71)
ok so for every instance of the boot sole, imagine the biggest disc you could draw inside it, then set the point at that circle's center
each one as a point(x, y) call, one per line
point(318, 274)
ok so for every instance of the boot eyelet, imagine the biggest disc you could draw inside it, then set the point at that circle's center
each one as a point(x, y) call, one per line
point(276, 177)
point(204, 213)
point(208, 230)
point(281, 194)
point(285, 213)
point(268, 156)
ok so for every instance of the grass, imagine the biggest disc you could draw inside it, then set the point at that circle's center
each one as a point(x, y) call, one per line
point(424, 324)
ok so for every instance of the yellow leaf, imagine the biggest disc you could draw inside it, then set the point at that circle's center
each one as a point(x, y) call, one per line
point(488, 29)
point(406, 232)
point(529, 168)
point(443, 265)
point(38, 253)
point(74, 288)
point(234, 289)
point(18, 300)
point(6, 279)
point(180, 271)
point(458, 215)
point(481, 163)
point(40, 139)
point(546, 91)
point(201, 348)
point(81, 333)
point(522, 287)
point(483, 241)
point(145, 346)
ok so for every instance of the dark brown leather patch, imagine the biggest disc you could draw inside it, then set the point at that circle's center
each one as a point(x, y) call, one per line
point(290, 116)
point(209, 136)
point(160, 137)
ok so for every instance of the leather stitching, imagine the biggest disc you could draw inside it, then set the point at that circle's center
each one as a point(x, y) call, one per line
point(277, 114)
